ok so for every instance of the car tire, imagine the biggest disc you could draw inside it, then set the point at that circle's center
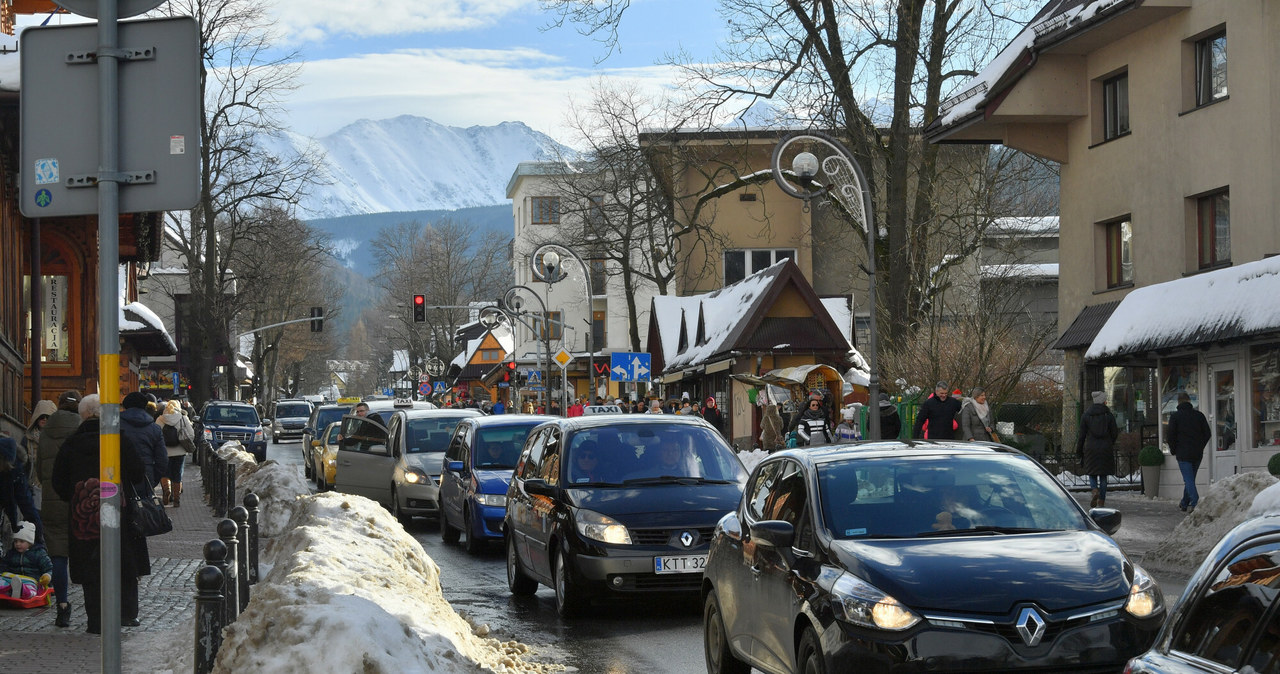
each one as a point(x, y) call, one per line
point(474, 544)
point(715, 641)
point(308, 471)
point(275, 439)
point(520, 584)
point(321, 486)
point(569, 598)
point(448, 533)
point(809, 657)
point(401, 516)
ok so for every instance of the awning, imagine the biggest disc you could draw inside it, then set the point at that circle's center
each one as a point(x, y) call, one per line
point(1085, 327)
point(719, 367)
point(679, 375)
point(787, 376)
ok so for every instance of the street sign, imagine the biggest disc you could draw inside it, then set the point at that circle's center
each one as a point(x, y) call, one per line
point(159, 112)
point(504, 384)
point(563, 358)
point(534, 375)
point(177, 378)
point(440, 386)
point(124, 8)
point(629, 366)
point(424, 388)
point(535, 388)
point(424, 377)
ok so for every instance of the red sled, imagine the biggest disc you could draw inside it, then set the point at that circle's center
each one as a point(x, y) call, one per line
point(43, 598)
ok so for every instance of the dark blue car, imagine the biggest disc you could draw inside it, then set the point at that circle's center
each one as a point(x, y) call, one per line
point(477, 471)
point(223, 421)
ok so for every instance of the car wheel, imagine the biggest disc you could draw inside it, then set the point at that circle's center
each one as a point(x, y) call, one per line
point(715, 641)
point(307, 470)
point(320, 482)
point(400, 515)
point(448, 534)
point(810, 655)
point(275, 439)
point(569, 599)
point(474, 544)
point(520, 584)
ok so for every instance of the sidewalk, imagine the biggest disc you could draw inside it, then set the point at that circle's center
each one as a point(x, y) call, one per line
point(29, 641)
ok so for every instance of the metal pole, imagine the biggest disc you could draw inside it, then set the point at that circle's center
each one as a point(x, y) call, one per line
point(109, 329)
point(36, 300)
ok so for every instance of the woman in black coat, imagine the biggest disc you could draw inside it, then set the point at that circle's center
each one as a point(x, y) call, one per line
point(1095, 446)
point(78, 463)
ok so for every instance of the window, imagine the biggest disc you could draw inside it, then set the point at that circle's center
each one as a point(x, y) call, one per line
point(1265, 366)
point(597, 330)
point(738, 264)
point(1119, 253)
point(1115, 106)
point(545, 210)
point(553, 317)
point(1221, 623)
point(595, 216)
point(598, 276)
point(490, 354)
point(1214, 225)
point(1211, 68)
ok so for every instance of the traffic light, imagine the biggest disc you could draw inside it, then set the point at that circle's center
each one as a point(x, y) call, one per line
point(419, 308)
point(317, 319)
point(510, 371)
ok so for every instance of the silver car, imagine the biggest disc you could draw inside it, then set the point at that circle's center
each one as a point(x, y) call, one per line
point(288, 419)
point(399, 464)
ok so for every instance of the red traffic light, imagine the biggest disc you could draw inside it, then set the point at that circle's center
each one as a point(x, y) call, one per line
point(419, 299)
point(511, 365)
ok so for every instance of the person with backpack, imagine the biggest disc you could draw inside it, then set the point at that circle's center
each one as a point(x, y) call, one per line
point(179, 440)
point(1095, 447)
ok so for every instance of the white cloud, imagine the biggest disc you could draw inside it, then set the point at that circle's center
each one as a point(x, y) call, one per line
point(314, 20)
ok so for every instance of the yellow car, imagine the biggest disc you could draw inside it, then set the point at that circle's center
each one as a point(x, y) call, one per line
point(324, 457)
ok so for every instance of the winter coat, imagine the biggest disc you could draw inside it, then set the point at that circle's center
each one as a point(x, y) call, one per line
point(1188, 433)
point(33, 563)
point(972, 425)
point(54, 512)
point(890, 423)
point(714, 417)
point(15, 493)
point(140, 428)
point(814, 428)
point(847, 431)
point(186, 433)
point(771, 428)
point(78, 461)
point(940, 415)
point(1097, 441)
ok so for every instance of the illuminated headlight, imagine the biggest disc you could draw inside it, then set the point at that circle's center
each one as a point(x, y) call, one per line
point(603, 528)
point(258, 436)
point(415, 476)
point(208, 435)
point(1145, 598)
point(492, 500)
point(862, 604)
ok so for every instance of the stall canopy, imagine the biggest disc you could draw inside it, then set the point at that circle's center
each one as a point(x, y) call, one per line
point(788, 376)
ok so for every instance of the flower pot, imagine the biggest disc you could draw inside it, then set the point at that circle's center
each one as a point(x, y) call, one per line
point(1151, 481)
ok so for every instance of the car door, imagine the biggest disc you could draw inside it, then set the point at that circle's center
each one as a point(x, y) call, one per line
point(453, 492)
point(777, 589)
point(520, 506)
point(364, 460)
point(545, 509)
point(737, 591)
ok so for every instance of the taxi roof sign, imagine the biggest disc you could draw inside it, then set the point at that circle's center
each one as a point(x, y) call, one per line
point(348, 400)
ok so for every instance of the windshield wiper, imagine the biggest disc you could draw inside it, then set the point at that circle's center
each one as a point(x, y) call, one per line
point(980, 530)
point(674, 479)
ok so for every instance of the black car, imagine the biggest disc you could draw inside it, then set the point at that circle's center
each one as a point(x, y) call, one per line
point(320, 418)
point(920, 557)
point(617, 505)
point(1228, 619)
point(222, 421)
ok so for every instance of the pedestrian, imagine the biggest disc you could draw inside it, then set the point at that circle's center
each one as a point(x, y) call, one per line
point(770, 426)
point(75, 479)
point(975, 418)
point(53, 509)
point(555, 408)
point(140, 428)
point(655, 406)
point(1187, 434)
point(890, 420)
point(27, 560)
point(179, 440)
point(528, 407)
point(15, 493)
point(575, 410)
point(848, 430)
point(1095, 448)
point(28, 448)
point(498, 408)
point(813, 425)
point(936, 419)
point(713, 415)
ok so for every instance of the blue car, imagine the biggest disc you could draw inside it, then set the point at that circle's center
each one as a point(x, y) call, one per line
point(477, 471)
point(222, 421)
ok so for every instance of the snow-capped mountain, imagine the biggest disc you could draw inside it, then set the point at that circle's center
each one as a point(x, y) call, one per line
point(410, 163)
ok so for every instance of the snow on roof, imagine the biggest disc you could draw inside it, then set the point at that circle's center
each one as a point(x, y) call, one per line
point(399, 360)
point(500, 332)
point(1226, 303)
point(838, 307)
point(1024, 226)
point(1047, 270)
point(720, 311)
point(136, 317)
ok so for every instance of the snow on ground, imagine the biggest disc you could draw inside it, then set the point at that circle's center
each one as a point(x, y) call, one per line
point(278, 488)
point(1223, 505)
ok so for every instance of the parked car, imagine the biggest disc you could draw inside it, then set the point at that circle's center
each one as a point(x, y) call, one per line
point(399, 464)
point(914, 557)
point(222, 420)
point(322, 460)
point(1228, 619)
point(320, 418)
point(289, 419)
point(477, 472)
point(615, 505)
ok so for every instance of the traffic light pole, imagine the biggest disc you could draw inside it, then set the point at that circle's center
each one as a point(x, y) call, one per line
point(276, 325)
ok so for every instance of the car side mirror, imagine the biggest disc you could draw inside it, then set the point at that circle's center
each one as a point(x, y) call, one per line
point(539, 487)
point(774, 533)
point(1107, 518)
point(315, 443)
point(455, 467)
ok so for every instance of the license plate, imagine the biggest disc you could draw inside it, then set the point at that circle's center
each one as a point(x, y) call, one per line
point(680, 564)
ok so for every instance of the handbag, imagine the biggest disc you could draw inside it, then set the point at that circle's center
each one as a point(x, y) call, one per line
point(146, 515)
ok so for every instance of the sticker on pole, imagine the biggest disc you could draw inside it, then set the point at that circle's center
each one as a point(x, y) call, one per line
point(108, 489)
point(47, 172)
point(43, 198)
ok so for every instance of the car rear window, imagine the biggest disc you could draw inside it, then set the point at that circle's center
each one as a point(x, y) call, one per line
point(293, 410)
point(430, 434)
point(498, 447)
point(325, 417)
point(635, 453)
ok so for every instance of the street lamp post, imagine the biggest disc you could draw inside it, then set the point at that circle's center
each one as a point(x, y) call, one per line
point(512, 307)
point(849, 186)
point(545, 262)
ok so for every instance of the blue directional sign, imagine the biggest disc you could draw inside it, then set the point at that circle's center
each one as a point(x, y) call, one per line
point(629, 366)
point(440, 386)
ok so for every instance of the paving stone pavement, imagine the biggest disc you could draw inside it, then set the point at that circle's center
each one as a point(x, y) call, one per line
point(29, 641)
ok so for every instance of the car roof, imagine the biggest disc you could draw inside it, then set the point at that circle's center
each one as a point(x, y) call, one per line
point(229, 403)
point(896, 448)
point(508, 419)
point(293, 400)
point(334, 406)
point(391, 404)
point(605, 420)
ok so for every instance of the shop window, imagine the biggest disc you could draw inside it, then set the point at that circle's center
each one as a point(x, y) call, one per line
point(59, 320)
point(1177, 375)
point(1265, 383)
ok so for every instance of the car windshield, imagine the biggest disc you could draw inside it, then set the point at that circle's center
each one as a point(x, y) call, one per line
point(240, 416)
point(328, 415)
point(429, 434)
point(657, 453)
point(293, 410)
point(498, 447)
point(906, 497)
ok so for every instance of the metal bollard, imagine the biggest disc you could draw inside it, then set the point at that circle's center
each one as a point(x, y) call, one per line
point(216, 474)
point(231, 581)
point(215, 555)
point(251, 503)
point(229, 496)
point(240, 516)
point(209, 607)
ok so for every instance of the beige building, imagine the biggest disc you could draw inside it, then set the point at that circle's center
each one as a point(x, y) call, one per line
point(1168, 197)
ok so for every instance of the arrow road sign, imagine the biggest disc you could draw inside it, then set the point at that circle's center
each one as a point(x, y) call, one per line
point(629, 366)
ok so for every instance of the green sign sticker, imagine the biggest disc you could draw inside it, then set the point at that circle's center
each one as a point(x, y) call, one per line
point(43, 198)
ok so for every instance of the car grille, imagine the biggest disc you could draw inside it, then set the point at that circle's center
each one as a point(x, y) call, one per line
point(667, 582)
point(666, 536)
point(1006, 629)
point(293, 425)
point(226, 436)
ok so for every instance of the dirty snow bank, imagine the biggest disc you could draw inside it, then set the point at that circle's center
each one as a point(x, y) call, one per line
point(1223, 505)
point(350, 591)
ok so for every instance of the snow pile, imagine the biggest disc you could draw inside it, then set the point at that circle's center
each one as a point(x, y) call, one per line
point(350, 591)
point(751, 458)
point(1224, 505)
point(278, 488)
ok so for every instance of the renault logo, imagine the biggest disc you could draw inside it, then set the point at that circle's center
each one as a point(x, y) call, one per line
point(686, 539)
point(1031, 626)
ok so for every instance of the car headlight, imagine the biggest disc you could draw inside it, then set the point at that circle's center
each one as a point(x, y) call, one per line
point(258, 435)
point(208, 435)
point(603, 528)
point(862, 604)
point(492, 500)
point(415, 476)
point(1145, 597)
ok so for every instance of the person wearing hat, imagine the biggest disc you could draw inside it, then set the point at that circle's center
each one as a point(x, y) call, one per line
point(713, 415)
point(847, 430)
point(137, 424)
point(29, 446)
point(936, 419)
point(890, 422)
point(975, 418)
point(55, 513)
point(1095, 447)
point(25, 559)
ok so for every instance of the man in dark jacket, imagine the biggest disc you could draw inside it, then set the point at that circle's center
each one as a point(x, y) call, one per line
point(1095, 446)
point(937, 417)
point(53, 509)
point(813, 425)
point(1186, 436)
point(141, 429)
point(890, 422)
